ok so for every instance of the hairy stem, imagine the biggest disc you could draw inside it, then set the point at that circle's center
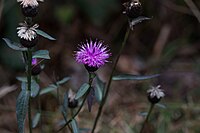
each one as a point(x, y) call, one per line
point(110, 80)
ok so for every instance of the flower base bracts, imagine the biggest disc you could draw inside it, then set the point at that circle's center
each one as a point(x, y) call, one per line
point(27, 43)
point(30, 11)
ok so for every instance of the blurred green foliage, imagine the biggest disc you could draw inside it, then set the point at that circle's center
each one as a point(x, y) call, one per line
point(98, 11)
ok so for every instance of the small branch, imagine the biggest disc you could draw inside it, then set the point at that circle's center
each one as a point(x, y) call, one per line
point(110, 80)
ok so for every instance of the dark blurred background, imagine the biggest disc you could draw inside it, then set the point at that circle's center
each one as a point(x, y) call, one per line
point(168, 44)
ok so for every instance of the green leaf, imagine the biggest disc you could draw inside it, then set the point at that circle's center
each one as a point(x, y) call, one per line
point(43, 54)
point(64, 80)
point(36, 120)
point(48, 89)
point(22, 79)
point(34, 88)
point(100, 85)
point(14, 45)
point(161, 105)
point(133, 22)
point(90, 98)
point(134, 77)
point(45, 35)
point(82, 90)
point(74, 126)
point(143, 114)
point(65, 106)
point(22, 107)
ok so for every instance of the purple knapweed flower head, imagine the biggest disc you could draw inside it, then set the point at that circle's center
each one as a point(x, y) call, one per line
point(93, 54)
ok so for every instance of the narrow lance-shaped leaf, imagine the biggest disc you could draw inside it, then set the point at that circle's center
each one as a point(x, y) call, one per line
point(22, 107)
point(99, 90)
point(64, 80)
point(134, 77)
point(161, 105)
point(34, 88)
point(48, 89)
point(45, 35)
point(74, 126)
point(82, 90)
point(43, 54)
point(143, 114)
point(36, 120)
point(90, 98)
point(22, 79)
point(65, 106)
point(133, 22)
point(14, 45)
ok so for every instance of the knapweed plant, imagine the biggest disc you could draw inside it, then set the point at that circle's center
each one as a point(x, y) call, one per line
point(28, 34)
point(93, 54)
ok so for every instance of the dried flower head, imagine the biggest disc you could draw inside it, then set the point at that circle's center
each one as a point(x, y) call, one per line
point(92, 54)
point(26, 32)
point(155, 94)
point(32, 3)
point(133, 9)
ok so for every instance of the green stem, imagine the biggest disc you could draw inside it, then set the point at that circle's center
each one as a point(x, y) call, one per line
point(29, 65)
point(91, 77)
point(147, 118)
point(110, 80)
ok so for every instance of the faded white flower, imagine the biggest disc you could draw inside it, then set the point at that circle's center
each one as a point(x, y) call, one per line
point(26, 3)
point(26, 32)
point(156, 92)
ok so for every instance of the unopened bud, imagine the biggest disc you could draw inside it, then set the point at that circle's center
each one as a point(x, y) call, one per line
point(133, 9)
point(36, 68)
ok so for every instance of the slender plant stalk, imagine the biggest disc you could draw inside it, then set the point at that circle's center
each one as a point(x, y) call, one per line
point(29, 65)
point(110, 80)
point(147, 118)
point(75, 114)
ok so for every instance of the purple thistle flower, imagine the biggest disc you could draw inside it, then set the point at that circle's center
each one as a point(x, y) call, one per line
point(92, 54)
